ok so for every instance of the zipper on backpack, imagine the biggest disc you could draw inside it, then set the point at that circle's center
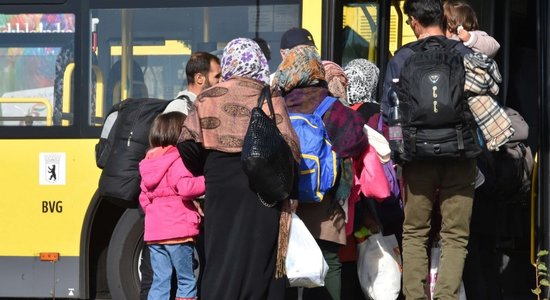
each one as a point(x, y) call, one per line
point(129, 138)
point(134, 125)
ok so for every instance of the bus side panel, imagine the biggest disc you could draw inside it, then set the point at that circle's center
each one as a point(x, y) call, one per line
point(47, 187)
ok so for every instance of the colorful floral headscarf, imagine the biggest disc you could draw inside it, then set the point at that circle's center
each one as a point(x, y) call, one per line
point(362, 81)
point(243, 57)
point(336, 79)
point(301, 67)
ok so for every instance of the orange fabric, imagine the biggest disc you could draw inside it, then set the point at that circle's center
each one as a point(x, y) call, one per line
point(356, 106)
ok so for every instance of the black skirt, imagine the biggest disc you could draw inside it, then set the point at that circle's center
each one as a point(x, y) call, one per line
point(240, 236)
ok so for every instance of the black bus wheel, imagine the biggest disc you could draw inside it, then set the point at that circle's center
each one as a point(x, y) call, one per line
point(124, 255)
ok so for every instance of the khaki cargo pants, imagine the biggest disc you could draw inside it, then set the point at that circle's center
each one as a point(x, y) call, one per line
point(454, 178)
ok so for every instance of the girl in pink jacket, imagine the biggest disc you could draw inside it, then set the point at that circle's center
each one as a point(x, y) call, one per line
point(462, 25)
point(172, 216)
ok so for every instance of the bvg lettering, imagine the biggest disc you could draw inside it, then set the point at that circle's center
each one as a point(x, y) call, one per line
point(52, 206)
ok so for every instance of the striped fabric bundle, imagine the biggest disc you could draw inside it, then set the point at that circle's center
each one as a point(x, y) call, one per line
point(482, 74)
point(480, 83)
point(492, 120)
point(482, 78)
point(485, 64)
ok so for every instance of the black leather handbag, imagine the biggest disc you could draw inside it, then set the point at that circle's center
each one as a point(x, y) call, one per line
point(266, 157)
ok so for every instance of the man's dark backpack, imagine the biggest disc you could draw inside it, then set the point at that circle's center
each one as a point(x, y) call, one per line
point(436, 119)
point(123, 144)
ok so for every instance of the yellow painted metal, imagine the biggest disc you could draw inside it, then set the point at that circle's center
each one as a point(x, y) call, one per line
point(170, 47)
point(43, 101)
point(99, 92)
point(312, 10)
point(26, 230)
point(67, 91)
point(407, 32)
point(534, 178)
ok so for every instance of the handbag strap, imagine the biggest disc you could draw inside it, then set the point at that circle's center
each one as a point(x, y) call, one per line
point(265, 95)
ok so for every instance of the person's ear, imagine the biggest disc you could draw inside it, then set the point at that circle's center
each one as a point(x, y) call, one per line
point(199, 78)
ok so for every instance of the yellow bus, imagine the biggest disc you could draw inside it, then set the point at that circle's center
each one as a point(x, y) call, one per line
point(64, 63)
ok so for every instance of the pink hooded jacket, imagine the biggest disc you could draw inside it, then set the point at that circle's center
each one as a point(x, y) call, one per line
point(167, 191)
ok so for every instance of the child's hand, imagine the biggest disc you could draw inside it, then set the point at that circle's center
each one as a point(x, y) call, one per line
point(463, 34)
point(198, 207)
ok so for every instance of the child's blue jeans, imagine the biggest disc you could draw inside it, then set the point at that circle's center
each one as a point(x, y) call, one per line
point(163, 259)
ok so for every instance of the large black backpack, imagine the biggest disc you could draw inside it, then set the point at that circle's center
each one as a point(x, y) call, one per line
point(123, 144)
point(436, 119)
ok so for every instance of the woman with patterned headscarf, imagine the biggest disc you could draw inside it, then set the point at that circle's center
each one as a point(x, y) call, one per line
point(336, 79)
point(361, 90)
point(301, 80)
point(241, 234)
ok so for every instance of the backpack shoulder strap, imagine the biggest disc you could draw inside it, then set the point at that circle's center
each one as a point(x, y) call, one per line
point(186, 99)
point(450, 43)
point(324, 106)
point(431, 42)
point(183, 97)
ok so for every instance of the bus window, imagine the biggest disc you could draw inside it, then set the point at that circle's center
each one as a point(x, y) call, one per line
point(143, 52)
point(31, 91)
point(360, 27)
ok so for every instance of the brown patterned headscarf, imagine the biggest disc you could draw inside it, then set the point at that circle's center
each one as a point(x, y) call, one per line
point(301, 67)
point(222, 114)
point(336, 79)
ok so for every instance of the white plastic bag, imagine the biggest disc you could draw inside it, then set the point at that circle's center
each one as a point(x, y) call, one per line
point(379, 267)
point(305, 264)
point(435, 256)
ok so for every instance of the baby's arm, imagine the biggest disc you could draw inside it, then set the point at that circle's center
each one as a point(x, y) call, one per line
point(479, 41)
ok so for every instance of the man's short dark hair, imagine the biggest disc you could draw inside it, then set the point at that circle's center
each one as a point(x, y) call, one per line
point(199, 62)
point(426, 12)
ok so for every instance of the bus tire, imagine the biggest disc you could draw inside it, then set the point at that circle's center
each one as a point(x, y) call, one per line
point(123, 256)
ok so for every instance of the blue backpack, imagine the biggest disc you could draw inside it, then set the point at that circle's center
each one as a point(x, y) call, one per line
point(319, 163)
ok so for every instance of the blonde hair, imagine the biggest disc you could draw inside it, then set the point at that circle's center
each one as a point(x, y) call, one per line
point(459, 13)
point(166, 129)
